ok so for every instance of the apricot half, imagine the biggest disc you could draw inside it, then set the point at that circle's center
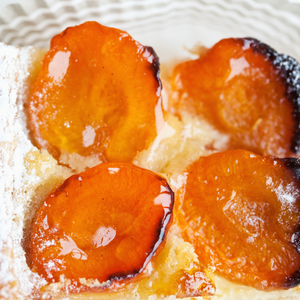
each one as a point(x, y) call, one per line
point(97, 93)
point(241, 211)
point(105, 223)
point(246, 90)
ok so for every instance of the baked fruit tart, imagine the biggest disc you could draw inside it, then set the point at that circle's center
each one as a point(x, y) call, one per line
point(109, 193)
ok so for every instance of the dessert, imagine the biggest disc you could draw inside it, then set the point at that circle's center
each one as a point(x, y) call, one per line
point(175, 271)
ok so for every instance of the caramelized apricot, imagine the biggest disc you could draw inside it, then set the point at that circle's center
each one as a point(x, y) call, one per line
point(97, 93)
point(246, 90)
point(241, 211)
point(103, 224)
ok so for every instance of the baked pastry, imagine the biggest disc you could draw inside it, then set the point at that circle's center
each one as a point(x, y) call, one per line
point(29, 175)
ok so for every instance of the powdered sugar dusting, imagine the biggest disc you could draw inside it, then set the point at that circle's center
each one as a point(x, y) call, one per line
point(18, 182)
point(9, 87)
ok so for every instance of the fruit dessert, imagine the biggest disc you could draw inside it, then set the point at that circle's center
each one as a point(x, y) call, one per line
point(86, 216)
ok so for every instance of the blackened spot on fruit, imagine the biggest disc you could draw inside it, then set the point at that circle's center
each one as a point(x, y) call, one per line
point(154, 66)
point(289, 71)
point(155, 62)
point(293, 164)
point(293, 280)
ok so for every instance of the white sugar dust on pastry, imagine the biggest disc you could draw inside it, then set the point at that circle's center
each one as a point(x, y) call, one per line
point(23, 170)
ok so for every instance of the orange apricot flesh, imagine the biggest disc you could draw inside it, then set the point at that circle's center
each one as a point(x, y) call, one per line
point(97, 93)
point(241, 211)
point(246, 90)
point(106, 223)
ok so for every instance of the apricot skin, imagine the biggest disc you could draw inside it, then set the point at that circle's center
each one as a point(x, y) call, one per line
point(106, 223)
point(241, 211)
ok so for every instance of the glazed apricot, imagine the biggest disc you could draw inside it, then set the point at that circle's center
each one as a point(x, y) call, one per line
point(247, 91)
point(97, 93)
point(241, 211)
point(104, 224)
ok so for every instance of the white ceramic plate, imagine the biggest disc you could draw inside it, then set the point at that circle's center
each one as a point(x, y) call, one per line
point(169, 26)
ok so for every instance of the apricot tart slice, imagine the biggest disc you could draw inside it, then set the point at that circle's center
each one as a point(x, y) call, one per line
point(98, 93)
point(241, 211)
point(103, 224)
point(246, 90)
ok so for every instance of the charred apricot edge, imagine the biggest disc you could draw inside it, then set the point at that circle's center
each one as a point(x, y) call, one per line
point(106, 223)
point(97, 93)
point(241, 211)
point(246, 90)
point(289, 71)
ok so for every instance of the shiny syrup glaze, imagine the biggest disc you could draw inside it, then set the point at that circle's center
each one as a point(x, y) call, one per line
point(98, 93)
point(247, 91)
point(241, 211)
point(106, 223)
